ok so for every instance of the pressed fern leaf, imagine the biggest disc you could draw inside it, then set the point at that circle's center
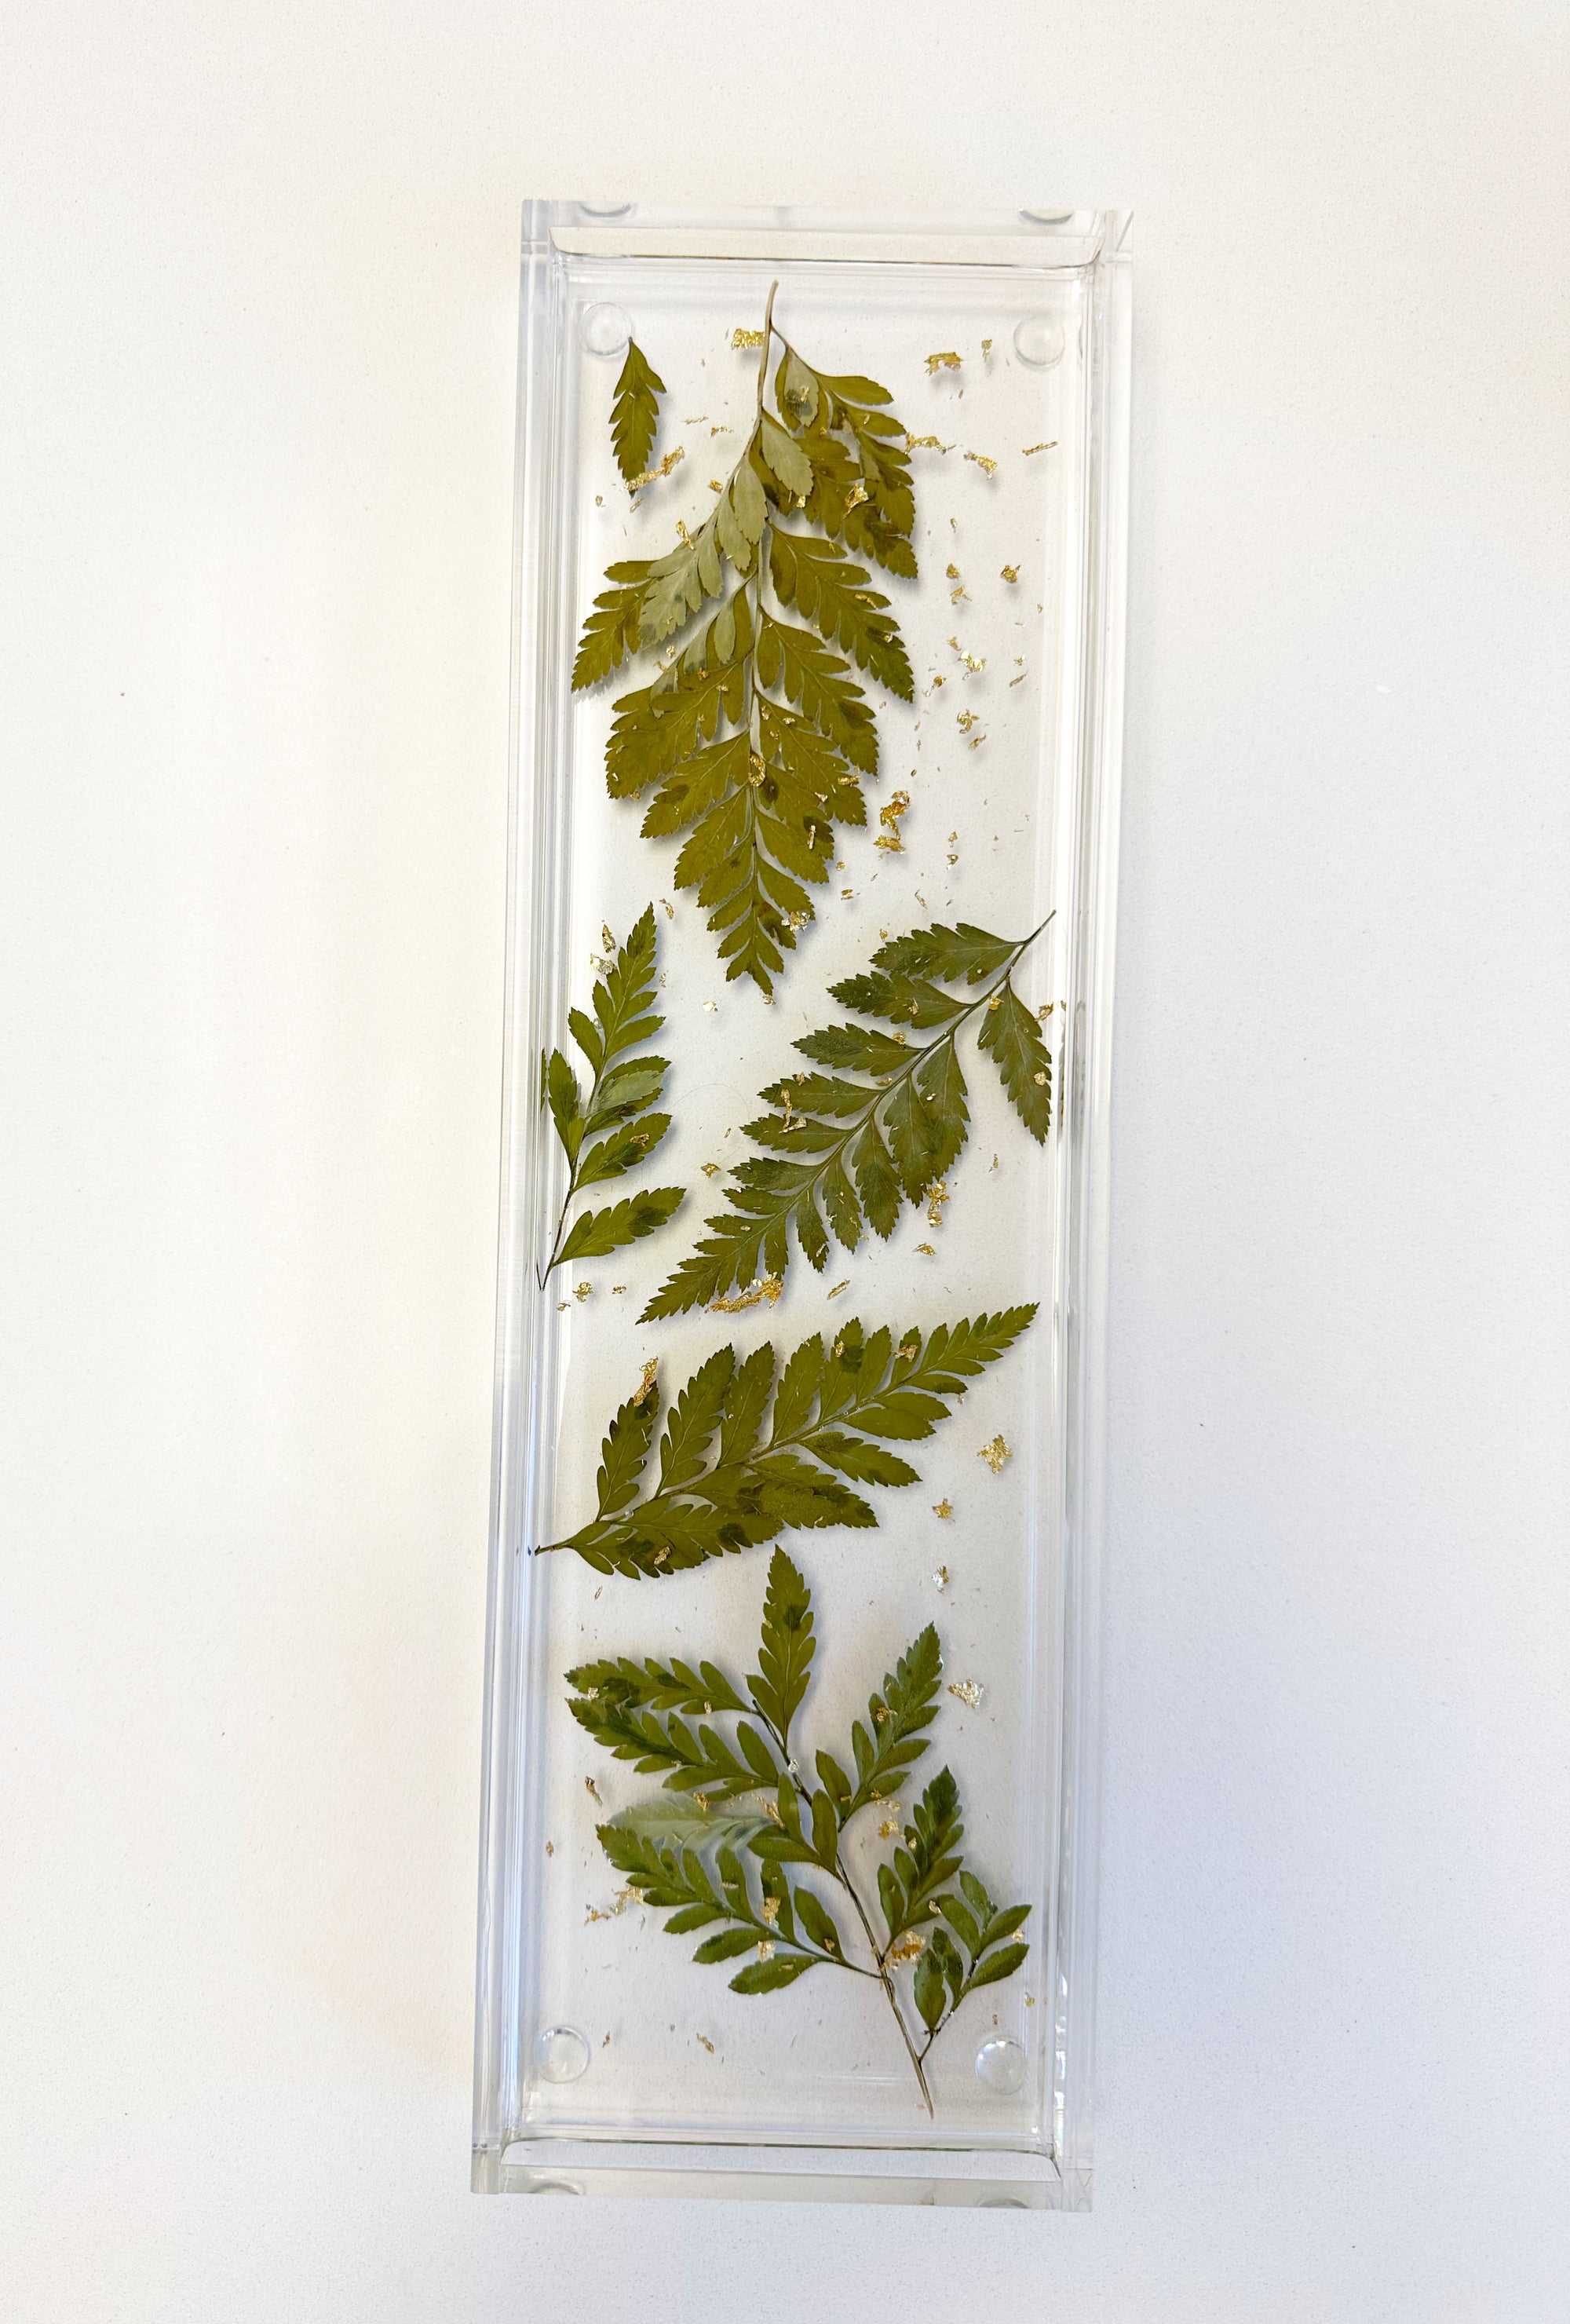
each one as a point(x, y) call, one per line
point(613, 1129)
point(694, 1850)
point(756, 731)
point(725, 1483)
point(844, 1153)
point(635, 413)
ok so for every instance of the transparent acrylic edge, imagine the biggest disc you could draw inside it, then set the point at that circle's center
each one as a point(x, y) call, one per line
point(756, 2174)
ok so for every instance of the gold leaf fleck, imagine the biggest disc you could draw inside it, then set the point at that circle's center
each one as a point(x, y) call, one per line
point(769, 1911)
point(1017, 681)
point(964, 720)
point(741, 337)
point(1044, 1011)
point(943, 1509)
point(926, 444)
point(769, 1288)
point(645, 1389)
point(550, 1848)
point(908, 1351)
point(712, 1007)
point(987, 347)
point(1041, 447)
point(710, 1169)
point(766, 1949)
point(908, 1948)
point(594, 1794)
point(927, 1249)
point(938, 1194)
point(889, 1827)
point(616, 1288)
point(834, 1294)
point(957, 593)
point(1011, 573)
point(704, 2037)
point(982, 460)
point(889, 817)
point(967, 1691)
point(994, 1454)
point(1040, 1080)
point(953, 572)
point(653, 475)
point(973, 663)
point(580, 1291)
point(855, 496)
point(947, 361)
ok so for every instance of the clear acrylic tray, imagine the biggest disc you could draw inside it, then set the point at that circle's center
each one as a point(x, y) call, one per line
point(922, 466)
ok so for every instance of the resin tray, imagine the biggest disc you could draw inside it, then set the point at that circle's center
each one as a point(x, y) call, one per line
point(827, 517)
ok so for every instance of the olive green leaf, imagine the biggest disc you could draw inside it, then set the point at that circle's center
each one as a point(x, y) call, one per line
point(635, 413)
point(843, 1154)
point(756, 732)
point(724, 1483)
point(765, 1876)
point(613, 1129)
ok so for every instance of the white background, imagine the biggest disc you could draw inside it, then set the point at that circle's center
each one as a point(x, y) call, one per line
point(257, 268)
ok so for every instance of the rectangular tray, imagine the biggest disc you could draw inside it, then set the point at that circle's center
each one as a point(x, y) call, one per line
point(607, 2061)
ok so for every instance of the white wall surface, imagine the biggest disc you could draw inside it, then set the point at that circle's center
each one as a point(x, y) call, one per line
point(258, 272)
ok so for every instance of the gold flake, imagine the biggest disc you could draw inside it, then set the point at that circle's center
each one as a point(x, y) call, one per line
point(704, 2037)
point(719, 429)
point(926, 444)
point(967, 1691)
point(943, 1509)
point(838, 1347)
point(580, 1291)
point(715, 486)
point(964, 720)
point(744, 338)
point(1010, 573)
point(550, 1848)
point(848, 893)
point(615, 1287)
point(987, 347)
point(653, 475)
point(755, 1293)
point(1029, 2001)
point(880, 1714)
point(1041, 447)
point(937, 682)
point(594, 1794)
point(953, 572)
point(927, 1249)
point(710, 1169)
point(592, 1915)
point(901, 1040)
point(693, 419)
point(889, 817)
point(953, 859)
point(973, 663)
point(798, 920)
point(994, 1454)
point(1044, 1011)
point(766, 1949)
point(853, 498)
point(1017, 681)
point(996, 1003)
point(670, 909)
point(660, 1555)
point(599, 500)
point(983, 461)
point(834, 1294)
point(645, 1388)
point(606, 2043)
point(712, 1007)
point(947, 361)
point(941, 1579)
point(938, 1194)
point(683, 535)
point(995, 1161)
point(908, 1948)
point(560, 1307)
point(607, 941)
point(770, 1910)
point(888, 1828)
point(908, 1351)
point(976, 741)
point(1040, 1080)
point(956, 594)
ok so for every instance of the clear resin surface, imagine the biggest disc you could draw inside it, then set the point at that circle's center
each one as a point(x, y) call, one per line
point(860, 724)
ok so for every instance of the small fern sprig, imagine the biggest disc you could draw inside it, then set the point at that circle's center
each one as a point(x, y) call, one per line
point(755, 734)
point(620, 1095)
point(853, 1151)
point(635, 414)
point(726, 1485)
point(664, 1846)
